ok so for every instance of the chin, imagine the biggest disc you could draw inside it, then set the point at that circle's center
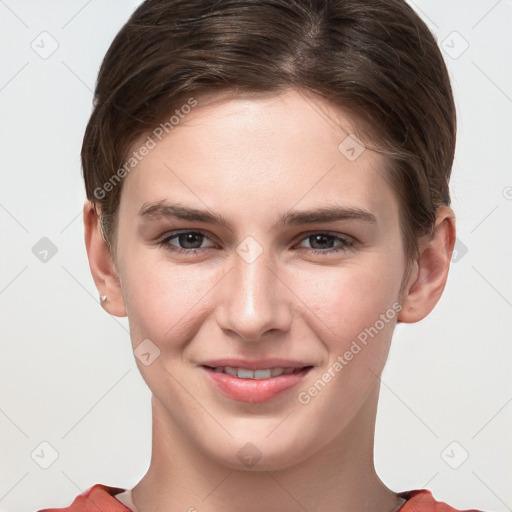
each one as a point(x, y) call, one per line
point(261, 454)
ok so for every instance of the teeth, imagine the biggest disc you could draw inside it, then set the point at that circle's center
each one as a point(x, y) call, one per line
point(243, 373)
point(230, 371)
point(262, 374)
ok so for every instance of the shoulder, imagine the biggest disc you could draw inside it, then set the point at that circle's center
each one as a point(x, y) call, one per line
point(97, 497)
point(421, 500)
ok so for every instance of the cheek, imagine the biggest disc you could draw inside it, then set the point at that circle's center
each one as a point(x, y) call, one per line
point(163, 299)
point(349, 299)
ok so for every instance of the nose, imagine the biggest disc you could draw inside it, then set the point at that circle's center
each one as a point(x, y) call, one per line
point(254, 299)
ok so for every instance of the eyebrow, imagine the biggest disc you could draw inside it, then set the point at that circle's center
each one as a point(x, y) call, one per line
point(152, 211)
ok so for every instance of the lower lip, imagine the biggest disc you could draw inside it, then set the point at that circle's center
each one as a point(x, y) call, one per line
point(253, 390)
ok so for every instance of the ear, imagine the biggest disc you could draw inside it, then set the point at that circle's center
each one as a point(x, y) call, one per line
point(101, 263)
point(430, 271)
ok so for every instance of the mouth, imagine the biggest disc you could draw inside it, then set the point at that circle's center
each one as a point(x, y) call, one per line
point(245, 373)
point(254, 385)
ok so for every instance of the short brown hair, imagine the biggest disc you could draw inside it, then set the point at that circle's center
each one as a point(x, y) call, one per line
point(375, 59)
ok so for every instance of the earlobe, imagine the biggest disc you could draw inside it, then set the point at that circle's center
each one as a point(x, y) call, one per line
point(101, 263)
point(430, 272)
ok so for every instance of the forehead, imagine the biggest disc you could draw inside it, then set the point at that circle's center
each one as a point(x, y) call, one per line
point(251, 155)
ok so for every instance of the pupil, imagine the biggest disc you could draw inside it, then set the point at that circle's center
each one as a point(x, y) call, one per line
point(187, 238)
point(321, 238)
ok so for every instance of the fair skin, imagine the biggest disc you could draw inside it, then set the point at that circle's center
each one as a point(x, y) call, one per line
point(253, 161)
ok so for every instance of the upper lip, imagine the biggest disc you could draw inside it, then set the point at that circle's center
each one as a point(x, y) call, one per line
point(261, 364)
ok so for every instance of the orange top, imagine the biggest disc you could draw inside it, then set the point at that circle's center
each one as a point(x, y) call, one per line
point(101, 498)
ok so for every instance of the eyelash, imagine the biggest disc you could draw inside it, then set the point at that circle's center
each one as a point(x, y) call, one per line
point(346, 243)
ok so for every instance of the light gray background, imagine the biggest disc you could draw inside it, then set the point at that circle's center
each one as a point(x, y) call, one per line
point(67, 373)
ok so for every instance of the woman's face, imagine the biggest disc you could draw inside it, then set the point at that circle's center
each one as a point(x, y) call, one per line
point(256, 236)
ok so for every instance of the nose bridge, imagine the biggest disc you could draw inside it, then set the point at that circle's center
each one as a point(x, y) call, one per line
point(254, 300)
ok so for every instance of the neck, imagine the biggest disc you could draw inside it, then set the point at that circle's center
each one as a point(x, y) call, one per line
point(338, 477)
